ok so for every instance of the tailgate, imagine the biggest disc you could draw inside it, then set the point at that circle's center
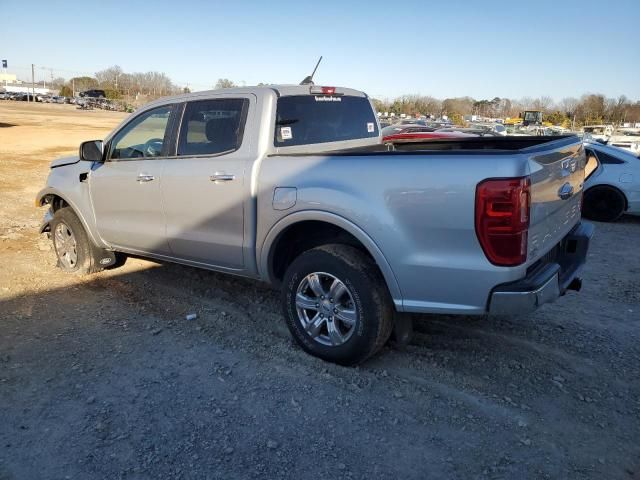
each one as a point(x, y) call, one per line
point(557, 177)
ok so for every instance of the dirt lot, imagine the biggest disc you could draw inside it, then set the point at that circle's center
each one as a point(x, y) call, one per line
point(102, 376)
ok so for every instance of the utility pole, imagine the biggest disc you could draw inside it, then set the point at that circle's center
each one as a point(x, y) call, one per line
point(33, 82)
point(73, 87)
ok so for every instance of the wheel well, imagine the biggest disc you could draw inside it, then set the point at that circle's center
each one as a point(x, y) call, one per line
point(304, 236)
point(55, 201)
point(612, 187)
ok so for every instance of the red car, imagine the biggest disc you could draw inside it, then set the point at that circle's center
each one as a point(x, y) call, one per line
point(423, 136)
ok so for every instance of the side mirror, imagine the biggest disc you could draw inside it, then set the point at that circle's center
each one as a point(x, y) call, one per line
point(91, 150)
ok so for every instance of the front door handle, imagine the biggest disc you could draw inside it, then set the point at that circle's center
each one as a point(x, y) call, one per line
point(143, 177)
point(221, 177)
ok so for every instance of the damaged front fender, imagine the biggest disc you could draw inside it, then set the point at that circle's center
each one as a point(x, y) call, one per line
point(45, 225)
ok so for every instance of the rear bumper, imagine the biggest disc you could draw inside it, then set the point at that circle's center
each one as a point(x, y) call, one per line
point(547, 281)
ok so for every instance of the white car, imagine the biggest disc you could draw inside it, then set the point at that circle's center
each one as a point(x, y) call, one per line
point(627, 140)
point(612, 185)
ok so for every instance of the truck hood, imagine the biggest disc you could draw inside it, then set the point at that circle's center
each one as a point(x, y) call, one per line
point(60, 162)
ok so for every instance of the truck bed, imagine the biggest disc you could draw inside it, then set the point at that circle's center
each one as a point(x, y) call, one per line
point(493, 145)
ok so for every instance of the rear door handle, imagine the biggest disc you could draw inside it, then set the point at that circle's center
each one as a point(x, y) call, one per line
point(222, 177)
point(143, 177)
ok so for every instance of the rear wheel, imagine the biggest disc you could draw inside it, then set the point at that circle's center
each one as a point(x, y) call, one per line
point(603, 204)
point(336, 304)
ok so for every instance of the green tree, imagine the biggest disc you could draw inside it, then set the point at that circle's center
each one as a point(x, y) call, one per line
point(557, 118)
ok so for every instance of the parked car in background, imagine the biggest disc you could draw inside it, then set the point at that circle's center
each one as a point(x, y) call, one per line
point(424, 136)
point(612, 185)
point(412, 121)
point(496, 128)
point(405, 128)
point(94, 93)
point(475, 131)
point(27, 97)
point(626, 139)
point(600, 133)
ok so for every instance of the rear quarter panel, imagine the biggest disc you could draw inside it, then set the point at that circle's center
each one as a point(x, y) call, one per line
point(418, 209)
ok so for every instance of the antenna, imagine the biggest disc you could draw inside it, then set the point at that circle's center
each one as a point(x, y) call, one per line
point(309, 80)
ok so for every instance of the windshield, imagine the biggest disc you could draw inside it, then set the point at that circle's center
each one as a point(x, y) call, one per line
point(533, 116)
point(309, 119)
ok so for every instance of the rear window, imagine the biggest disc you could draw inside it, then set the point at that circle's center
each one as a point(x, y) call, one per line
point(309, 119)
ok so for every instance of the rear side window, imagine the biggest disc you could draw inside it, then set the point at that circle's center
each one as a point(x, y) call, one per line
point(605, 159)
point(592, 163)
point(309, 119)
point(211, 127)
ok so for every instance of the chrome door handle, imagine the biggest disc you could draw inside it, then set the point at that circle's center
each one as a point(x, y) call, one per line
point(143, 177)
point(222, 177)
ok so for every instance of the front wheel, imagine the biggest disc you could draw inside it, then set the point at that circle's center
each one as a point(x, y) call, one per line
point(336, 304)
point(71, 243)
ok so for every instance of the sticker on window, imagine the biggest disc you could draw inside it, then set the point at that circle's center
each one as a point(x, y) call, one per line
point(325, 98)
point(285, 133)
point(370, 127)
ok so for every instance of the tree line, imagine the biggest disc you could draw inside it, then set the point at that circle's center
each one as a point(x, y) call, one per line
point(588, 109)
point(119, 85)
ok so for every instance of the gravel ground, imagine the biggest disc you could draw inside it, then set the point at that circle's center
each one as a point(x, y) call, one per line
point(103, 377)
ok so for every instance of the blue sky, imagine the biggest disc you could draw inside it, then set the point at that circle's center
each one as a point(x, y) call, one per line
point(442, 48)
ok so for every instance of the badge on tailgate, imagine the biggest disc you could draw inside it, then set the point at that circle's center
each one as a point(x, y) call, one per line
point(569, 166)
point(565, 191)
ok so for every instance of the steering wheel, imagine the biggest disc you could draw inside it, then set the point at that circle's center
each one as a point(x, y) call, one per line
point(153, 147)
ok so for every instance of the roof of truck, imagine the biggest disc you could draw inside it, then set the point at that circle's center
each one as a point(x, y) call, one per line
point(280, 90)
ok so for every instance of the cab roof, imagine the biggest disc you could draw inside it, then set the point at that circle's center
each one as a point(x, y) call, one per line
point(279, 90)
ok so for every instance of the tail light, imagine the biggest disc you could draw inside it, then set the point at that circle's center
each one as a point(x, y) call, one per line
point(317, 90)
point(502, 219)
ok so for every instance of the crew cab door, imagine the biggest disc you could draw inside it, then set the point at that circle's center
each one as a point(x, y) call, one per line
point(203, 187)
point(125, 188)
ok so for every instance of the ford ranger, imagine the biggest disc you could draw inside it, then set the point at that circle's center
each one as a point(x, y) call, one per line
point(293, 186)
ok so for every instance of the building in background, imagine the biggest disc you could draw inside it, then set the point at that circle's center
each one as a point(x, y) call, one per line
point(8, 78)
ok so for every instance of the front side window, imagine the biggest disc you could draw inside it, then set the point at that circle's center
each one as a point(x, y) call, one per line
point(144, 136)
point(212, 127)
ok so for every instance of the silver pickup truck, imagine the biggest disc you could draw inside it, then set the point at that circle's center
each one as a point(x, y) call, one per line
point(292, 185)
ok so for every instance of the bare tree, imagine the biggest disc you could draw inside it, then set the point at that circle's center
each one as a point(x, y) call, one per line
point(108, 78)
point(224, 83)
point(569, 105)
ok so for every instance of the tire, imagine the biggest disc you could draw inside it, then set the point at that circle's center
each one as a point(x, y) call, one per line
point(361, 312)
point(71, 244)
point(603, 204)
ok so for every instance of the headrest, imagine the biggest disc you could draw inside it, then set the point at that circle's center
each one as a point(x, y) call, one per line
point(221, 129)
